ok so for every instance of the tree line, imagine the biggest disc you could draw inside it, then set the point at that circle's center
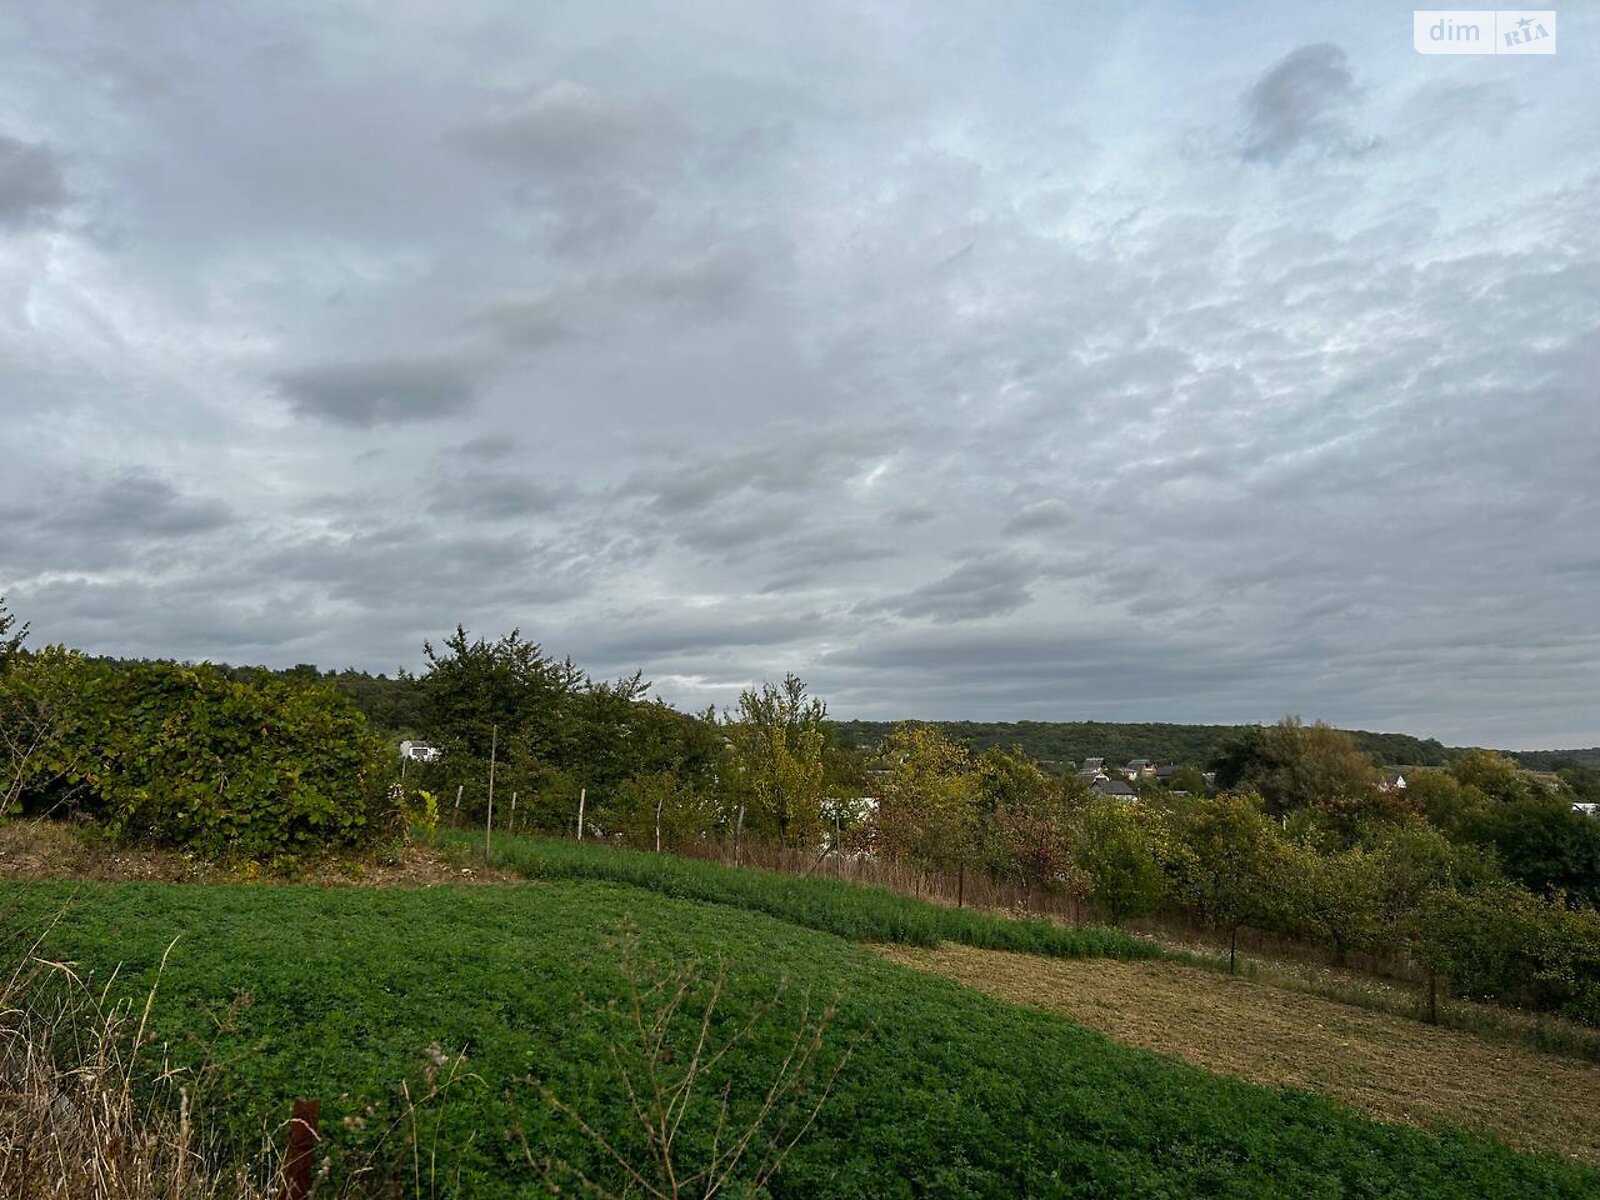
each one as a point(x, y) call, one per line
point(1478, 872)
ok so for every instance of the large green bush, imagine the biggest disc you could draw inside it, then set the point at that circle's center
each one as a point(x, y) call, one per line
point(185, 756)
point(1505, 943)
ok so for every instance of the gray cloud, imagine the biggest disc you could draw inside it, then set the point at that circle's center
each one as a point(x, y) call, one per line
point(136, 503)
point(1302, 103)
point(967, 364)
point(1040, 517)
point(988, 586)
point(494, 496)
point(364, 393)
point(84, 523)
point(32, 186)
point(564, 128)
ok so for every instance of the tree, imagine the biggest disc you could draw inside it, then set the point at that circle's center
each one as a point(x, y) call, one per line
point(1441, 798)
point(778, 741)
point(1025, 822)
point(1121, 847)
point(1542, 844)
point(10, 642)
point(1415, 861)
point(1294, 766)
point(928, 802)
point(1583, 782)
point(1494, 775)
point(1228, 865)
point(657, 811)
point(1335, 898)
point(474, 686)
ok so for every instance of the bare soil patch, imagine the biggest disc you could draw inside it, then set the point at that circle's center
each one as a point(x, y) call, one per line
point(54, 850)
point(1389, 1067)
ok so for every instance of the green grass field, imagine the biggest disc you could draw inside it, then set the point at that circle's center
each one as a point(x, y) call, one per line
point(855, 912)
point(338, 992)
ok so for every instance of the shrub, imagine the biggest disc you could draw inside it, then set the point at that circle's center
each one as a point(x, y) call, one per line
point(187, 757)
point(1505, 943)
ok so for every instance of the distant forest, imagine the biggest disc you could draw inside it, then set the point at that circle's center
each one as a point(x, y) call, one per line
point(1056, 743)
point(394, 705)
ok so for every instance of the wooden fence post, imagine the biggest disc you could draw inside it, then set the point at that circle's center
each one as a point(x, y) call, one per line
point(488, 824)
point(302, 1142)
point(457, 817)
point(738, 833)
point(511, 825)
point(660, 800)
point(582, 795)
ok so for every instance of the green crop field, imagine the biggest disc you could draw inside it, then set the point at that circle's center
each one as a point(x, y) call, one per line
point(853, 911)
point(337, 993)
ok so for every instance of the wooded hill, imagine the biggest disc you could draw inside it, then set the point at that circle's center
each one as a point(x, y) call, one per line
point(393, 705)
point(1056, 743)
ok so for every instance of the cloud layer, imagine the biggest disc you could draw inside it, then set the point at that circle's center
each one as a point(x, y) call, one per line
point(992, 364)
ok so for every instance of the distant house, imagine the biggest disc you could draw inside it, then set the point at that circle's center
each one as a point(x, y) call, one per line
point(1392, 781)
point(1140, 768)
point(1587, 809)
point(419, 751)
point(1119, 789)
point(1093, 764)
point(1166, 771)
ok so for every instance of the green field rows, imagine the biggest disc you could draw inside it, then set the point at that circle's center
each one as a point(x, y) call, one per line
point(338, 992)
point(853, 911)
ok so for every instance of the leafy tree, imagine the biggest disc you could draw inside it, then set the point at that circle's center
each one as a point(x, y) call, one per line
point(928, 809)
point(553, 730)
point(1120, 848)
point(1241, 757)
point(1026, 824)
point(1492, 775)
point(778, 740)
point(473, 686)
point(1228, 865)
point(1583, 782)
point(1441, 798)
point(1188, 779)
point(1335, 898)
point(1500, 941)
point(1415, 861)
point(11, 637)
point(1542, 844)
point(658, 803)
point(1296, 766)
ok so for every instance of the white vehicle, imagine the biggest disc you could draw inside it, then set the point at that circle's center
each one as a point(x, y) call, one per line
point(420, 752)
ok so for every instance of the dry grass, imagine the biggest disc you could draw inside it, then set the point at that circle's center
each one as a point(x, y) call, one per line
point(1384, 993)
point(82, 1112)
point(38, 849)
point(1389, 1067)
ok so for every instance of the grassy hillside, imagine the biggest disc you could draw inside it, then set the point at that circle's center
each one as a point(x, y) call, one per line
point(339, 992)
point(1073, 741)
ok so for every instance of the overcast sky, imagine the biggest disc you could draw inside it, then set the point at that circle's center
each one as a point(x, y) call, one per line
point(1124, 362)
